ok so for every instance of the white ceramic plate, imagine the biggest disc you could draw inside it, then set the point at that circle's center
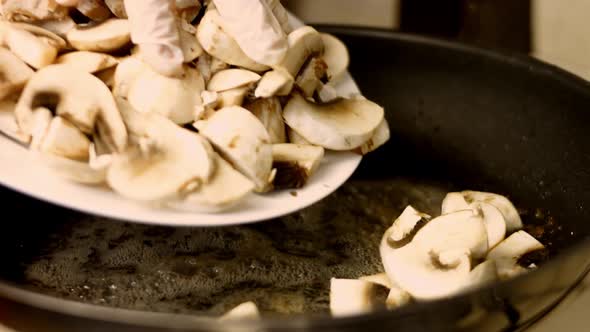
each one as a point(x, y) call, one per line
point(20, 173)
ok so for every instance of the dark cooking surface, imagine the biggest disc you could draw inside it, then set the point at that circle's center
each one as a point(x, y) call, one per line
point(283, 265)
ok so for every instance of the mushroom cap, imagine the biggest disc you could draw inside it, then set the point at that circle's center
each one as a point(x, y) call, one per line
point(107, 36)
point(349, 297)
point(344, 124)
point(247, 310)
point(90, 62)
point(493, 220)
point(511, 216)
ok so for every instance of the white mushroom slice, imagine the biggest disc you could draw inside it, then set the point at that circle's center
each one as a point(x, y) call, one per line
point(511, 216)
point(270, 113)
point(295, 164)
point(40, 126)
point(381, 136)
point(328, 93)
point(63, 139)
point(149, 91)
point(483, 274)
point(32, 10)
point(221, 45)
point(166, 162)
point(14, 73)
point(72, 170)
point(405, 224)
point(276, 82)
point(191, 49)
point(379, 279)
point(242, 139)
point(78, 97)
point(8, 124)
point(117, 7)
point(46, 35)
point(90, 62)
point(454, 202)
point(59, 27)
point(345, 124)
point(397, 298)
point(31, 49)
point(98, 162)
point(108, 36)
point(217, 65)
point(215, 196)
point(303, 43)
point(349, 297)
point(507, 253)
point(494, 221)
point(107, 76)
point(245, 311)
point(95, 10)
point(310, 78)
point(295, 138)
point(336, 56)
point(210, 102)
point(232, 78)
point(437, 262)
point(233, 97)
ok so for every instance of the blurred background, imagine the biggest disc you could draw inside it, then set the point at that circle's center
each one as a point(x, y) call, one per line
point(552, 30)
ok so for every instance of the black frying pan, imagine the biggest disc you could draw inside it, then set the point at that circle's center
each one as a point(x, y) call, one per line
point(461, 118)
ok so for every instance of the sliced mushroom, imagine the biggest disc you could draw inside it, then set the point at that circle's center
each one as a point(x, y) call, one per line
point(437, 262)
point(379, 279)
point(32, 10)
point(295, 164)
point(97, 161)
point(221, 45)
point(63, 139)
point(303, 43)
point(494, 221)
point(328, 93)
point(511, 216)
point(233, 97)
point(90, 62)
point(117, 7)
point(345, 124)
point(108, 36)
point(309, 81)
point(78, 97)
point(95, 10)
point(214, 196)
point(41, 121)
point(454, 202)
point(407, 223)
point(483, 274)
point(245, 311)
point(336, 57)
point(349, 297)
point(191, 49)
point(270, 113)
point(149, 91)
point(107, 76)
point(72, 170)
point(276, 82)
point(210, 102)
point(33, 50)
point(46, 35)
point(295, 138)
point(381, 136)
point(8, 124)
point(242, 139)
point(507, 253)
point(14, 73)
point(59, 27)
point(232, 78)
point(397, 298)
point(165, 162)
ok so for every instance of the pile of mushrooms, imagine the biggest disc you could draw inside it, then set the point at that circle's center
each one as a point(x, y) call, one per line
point(75, 92)
point(477, 239)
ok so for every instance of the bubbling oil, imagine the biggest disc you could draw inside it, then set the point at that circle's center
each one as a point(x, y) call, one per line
point(283, 265)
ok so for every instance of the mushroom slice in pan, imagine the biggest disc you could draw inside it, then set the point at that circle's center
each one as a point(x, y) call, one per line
point(349, 297)
point(276, 82)
point(407, 223)
point(483, 274)
point(231, 78)
point(454, 202)
point(397, 297)
point(437, 262)
point(14, 72)
point(513, 221)
point(90, 62)
point(303, 43)
point(309, 81)
point(270, 113)
point(295, 164)
point(242, 139)
point(336, 57)
point(63, 139)
point(214, 196)
point(494, 222)
point(77, 96)
point(107, 36)
point(508, 252)
point(344, 124)
point(244, 311)
point(379, 279)
point(149, 91)
point(221, 45)
point(166, 161)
